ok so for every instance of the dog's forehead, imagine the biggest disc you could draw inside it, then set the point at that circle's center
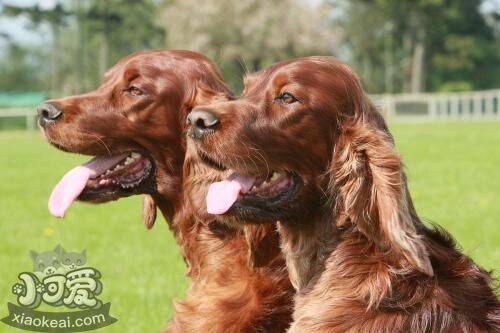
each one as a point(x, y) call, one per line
point(283, 73)
point(258, 80)
point(135, 65)
point(162, 65)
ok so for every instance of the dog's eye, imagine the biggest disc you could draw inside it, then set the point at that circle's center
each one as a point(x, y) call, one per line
point(286, 98)
point(134, 91)
point(41, 266)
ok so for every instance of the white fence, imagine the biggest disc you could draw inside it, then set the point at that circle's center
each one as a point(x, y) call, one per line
point(29, 113)
point(465, 105)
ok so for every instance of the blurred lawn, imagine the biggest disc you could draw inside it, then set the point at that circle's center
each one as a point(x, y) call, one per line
point(454, 175)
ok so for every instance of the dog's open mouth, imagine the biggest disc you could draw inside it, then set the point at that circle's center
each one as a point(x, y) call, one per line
point(249, 195)
point(252, 197)
point(127, 174)
point(102, 179)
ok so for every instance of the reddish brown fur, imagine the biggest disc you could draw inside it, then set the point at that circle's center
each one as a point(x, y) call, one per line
point(226, 294)
point(358, 254)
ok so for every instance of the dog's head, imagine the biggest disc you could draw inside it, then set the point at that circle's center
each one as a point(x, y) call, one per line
point(133, 124)
point(304, 139)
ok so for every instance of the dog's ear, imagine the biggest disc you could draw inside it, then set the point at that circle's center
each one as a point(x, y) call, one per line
point(369, 186)
point(263, 243)
point(148, 211)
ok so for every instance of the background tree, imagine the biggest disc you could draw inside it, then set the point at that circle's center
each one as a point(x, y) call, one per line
point(55, 18)
point(83, 31)
point(22, 70)
point(247, 35)
point(394, 45)
point(427, 44)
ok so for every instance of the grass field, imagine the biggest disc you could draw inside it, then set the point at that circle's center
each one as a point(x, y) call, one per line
point(454, 174)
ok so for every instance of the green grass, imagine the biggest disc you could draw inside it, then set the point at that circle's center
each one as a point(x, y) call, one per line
point(454, 175)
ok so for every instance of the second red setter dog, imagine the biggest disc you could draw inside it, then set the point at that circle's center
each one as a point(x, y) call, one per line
point(305, 146)
point(135, 123)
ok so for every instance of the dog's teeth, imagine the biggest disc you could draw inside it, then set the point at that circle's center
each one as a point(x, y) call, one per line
point(128, 160)
point(275, 176)
point(135, 155)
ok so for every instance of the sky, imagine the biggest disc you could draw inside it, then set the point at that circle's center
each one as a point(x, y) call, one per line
point(16, 27)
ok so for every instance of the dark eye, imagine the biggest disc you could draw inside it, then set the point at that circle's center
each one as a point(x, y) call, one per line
point(79, 262)
point(41, 266)
point(134, 91)
point(55, 262)
point(286, 98)
point(66, 261)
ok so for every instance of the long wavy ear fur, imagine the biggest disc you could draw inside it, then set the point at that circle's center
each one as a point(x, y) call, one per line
point(148, 211)
point(368, 185)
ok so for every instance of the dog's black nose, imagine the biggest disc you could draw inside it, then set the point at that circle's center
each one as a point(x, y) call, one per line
point(201, 122)
point(47, 113)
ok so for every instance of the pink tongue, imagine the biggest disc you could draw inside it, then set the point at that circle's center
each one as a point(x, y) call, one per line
point(222, 195)
point(73, 182)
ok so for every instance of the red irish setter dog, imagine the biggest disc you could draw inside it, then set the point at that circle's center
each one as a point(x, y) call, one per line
point(135, 124)
point(305, 146)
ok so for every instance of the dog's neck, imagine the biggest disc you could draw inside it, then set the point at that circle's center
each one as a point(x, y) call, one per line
point(306, 247)
point(169, 198)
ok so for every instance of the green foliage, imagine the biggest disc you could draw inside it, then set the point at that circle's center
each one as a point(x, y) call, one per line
point(129, 24)
point(247, 35)
point(460, 48)
point(21, 70)
point(395, 46)
point(87, 37)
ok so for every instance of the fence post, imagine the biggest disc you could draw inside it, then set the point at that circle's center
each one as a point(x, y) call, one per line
point(489, 105)
point(432, 107)
point(454, 100)
point(498, 104)
point(443, 107)
point(464, 106)
point(389, 106)
point(477, 105)
point(30, 121)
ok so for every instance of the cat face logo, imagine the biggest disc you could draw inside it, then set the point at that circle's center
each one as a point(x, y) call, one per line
point(73, 260)
point(47, 263)
point(57, 261)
